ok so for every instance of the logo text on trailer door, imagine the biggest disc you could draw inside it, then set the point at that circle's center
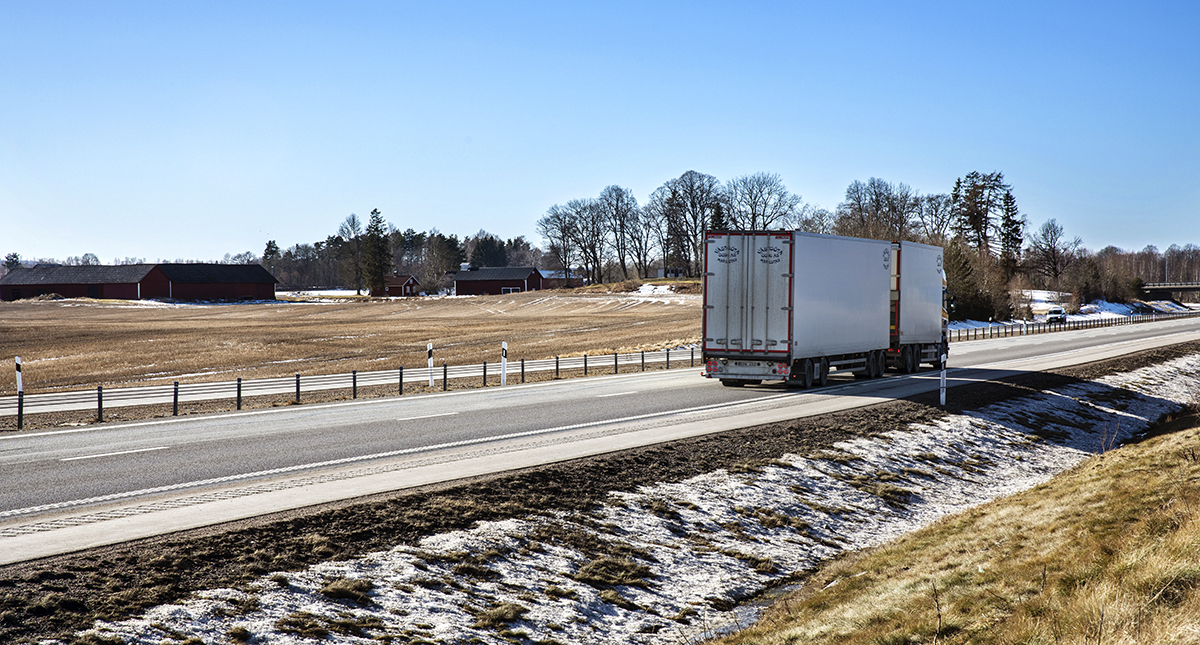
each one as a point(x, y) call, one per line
point(770, 254)
point(727, 254)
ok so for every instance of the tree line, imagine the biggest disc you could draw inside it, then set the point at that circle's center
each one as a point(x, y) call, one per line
point(991, 252)
point(362, 257)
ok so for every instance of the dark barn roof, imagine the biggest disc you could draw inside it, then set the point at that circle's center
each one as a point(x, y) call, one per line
point(216, 273)
point(133, 273)
point(496, 273)
point(82, 274)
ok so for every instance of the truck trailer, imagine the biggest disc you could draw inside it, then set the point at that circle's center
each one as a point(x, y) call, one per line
point(791, 306)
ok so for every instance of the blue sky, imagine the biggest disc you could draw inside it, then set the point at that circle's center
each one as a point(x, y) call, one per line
point(170, 130)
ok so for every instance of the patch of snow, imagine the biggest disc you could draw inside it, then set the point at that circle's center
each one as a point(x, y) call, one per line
point(648, 289)
point(708, 543)
point(1098, 310)
point(1037, 296)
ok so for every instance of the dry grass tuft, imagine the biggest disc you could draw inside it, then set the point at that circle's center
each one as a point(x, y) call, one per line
point(352, 589)
point(500, 616)
point(605, 571)
point(1106, 553)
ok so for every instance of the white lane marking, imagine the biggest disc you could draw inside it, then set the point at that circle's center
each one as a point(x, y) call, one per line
point(603, 396)
point(114, 454)
point(428, 416)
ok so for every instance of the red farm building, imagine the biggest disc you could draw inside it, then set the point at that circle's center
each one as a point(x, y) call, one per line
point(397, 285)
point(142, 281)
point(496, 280)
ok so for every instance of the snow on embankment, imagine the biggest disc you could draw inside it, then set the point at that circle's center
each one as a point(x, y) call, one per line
point(668, 562)
point(1098, 310)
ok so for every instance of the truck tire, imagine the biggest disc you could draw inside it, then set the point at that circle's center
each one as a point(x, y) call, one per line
point(906, 359)
point(806, 377)
point(823, 373)
point(878, 363)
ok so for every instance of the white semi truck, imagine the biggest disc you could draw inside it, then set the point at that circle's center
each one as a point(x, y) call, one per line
point(791, 306)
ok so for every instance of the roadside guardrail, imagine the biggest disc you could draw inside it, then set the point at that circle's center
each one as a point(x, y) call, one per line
point(439, 376)
point(1004, 330)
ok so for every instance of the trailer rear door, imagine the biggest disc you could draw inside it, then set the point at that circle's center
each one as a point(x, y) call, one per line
point(748, 294)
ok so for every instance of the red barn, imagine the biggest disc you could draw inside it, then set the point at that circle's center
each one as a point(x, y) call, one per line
point(496, 280)
point(141, 281)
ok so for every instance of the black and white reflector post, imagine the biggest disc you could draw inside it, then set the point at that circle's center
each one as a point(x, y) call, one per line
point(942, 387)
point(429, 353)
point(504, 363)
point(20, 398)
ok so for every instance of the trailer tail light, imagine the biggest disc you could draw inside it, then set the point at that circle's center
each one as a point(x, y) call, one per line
point(781, 369)
point(711, 367)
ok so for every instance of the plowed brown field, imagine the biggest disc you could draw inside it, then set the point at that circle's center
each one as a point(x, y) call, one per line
point(85, 343)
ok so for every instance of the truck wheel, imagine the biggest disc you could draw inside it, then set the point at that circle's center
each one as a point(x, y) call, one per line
point(906, 356)
point(876, 362)
point(807, 377)
point(823, 373)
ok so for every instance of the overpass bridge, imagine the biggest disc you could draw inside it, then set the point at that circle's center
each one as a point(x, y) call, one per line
point(1163, 290)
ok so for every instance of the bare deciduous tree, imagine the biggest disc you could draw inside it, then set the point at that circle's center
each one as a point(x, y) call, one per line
point(352, 262)
point(590, 235)
point(759, 202)
point(681, 210)
point(643, 241)
point(1051, 253)
point(812, 219)
point(661, 215)
point(557, 227)
point(934, 219)
point(619, 210)
point(878, 209)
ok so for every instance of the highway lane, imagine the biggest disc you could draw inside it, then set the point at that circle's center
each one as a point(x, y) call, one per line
point(56, 467)
point(440, 437)
point(48, 468)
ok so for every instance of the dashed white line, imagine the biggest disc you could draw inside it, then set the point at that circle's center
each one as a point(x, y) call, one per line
point(428, 416)
point(114, 454)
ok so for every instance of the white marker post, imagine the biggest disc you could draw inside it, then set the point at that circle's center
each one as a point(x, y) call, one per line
point(942, 387)
point(503, 363)
point(20, 382)
point(430, 354)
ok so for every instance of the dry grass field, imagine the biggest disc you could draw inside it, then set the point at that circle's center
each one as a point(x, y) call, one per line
point(1105, 553)
point(85, 343)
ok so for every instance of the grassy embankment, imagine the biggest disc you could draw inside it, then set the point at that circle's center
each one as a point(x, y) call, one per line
point(1108, 552)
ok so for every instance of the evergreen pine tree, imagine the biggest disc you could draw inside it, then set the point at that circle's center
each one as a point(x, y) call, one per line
point(376, 255)
point(1012, 235)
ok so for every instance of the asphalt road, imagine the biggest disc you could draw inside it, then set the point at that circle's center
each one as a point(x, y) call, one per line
point(82, 487)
